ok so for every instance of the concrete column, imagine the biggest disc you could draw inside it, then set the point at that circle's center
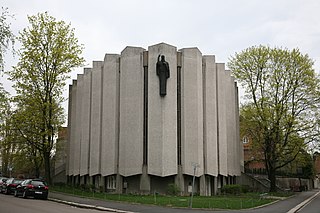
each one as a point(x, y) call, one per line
point(81, 180)
point(145, 181)
point(222, 123)
point(203, 186)
point(210, 121)
point(78, 129)
point(95, 129)
point(73, 127)
point(85, 122)
point(98, 181)
point(69, 133)
point(162, 114)
point(215, 185)
point(110, 114)
point(179, 181)
point(119, 184)
point(192, 111)
point(230, 119)
point(131, 112)
point(90, 180)
point(238, 141)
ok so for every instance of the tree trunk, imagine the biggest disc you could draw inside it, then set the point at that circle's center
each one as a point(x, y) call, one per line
point(37, 172)
point(272, 178)
point(47, 167)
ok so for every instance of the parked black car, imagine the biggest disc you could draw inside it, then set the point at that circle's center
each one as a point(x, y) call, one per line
point(32, 188)
point(10, 185)
point(2, 181)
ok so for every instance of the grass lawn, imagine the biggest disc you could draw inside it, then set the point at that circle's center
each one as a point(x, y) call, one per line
point(244, 201)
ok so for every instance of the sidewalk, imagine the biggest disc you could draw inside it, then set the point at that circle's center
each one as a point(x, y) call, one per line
point(283, 206)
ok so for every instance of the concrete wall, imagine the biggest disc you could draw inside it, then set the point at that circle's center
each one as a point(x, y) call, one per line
point(110, 114)
point(162, 115)
point(131, 112)
point(191, 111)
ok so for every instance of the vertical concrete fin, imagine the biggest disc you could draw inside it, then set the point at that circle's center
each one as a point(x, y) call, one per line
point(162, 124)
point(110, 114)
point(131, 111)
point(192, 111)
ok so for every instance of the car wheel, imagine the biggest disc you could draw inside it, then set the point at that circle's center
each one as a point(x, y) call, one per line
point(6, 191)
point(24, 195)
point(16, 193)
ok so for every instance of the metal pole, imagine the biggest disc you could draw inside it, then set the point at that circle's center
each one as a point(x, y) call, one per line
point(194, 175)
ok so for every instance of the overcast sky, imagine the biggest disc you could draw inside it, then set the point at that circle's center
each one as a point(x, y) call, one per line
point(218, 28)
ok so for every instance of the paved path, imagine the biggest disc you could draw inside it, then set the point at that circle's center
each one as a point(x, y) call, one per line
point(289, 205)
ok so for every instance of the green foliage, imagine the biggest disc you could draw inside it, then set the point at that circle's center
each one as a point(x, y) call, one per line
point(6, 35)
point(173, 189)
point(281, 113)
point(234, 189)
point(48, 54)
point(4, 104)
point(244, 201)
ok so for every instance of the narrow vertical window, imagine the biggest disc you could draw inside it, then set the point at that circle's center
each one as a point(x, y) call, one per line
point(179, 106)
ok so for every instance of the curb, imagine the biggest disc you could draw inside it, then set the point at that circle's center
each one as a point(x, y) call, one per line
point(86, 206)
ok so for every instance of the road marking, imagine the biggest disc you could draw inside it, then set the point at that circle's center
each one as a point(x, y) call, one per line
point(304, 203)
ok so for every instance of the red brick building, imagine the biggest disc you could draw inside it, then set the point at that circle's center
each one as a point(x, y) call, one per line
point(253, 159)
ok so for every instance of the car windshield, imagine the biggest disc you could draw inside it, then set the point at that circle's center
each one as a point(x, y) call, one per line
point(17, 181)
point(38, 183)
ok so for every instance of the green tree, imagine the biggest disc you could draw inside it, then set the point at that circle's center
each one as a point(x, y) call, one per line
point(27, 127)
point(6, 38)
point(282, 102)
point(6, 35)
point(49, 52)
point(4, 130)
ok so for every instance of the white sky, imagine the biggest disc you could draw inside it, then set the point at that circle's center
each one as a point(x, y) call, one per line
point(218, 28)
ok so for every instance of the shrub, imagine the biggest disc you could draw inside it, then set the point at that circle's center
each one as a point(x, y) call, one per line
point(173, 189)
point(234, 189)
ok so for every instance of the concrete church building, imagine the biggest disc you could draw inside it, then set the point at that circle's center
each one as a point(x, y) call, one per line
point(133, 130)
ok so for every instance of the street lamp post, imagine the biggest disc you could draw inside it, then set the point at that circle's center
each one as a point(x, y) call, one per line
point(194, 165)
point(10, 170)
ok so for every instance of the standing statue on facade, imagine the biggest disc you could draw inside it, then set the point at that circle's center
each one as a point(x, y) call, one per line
point(163, 72)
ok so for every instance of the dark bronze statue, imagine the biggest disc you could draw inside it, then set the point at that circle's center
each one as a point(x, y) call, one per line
point(163, 72)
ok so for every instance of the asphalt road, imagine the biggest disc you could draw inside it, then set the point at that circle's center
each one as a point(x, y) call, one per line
point(11, 204)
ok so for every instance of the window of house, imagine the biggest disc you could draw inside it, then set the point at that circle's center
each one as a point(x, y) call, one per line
point(111, 182)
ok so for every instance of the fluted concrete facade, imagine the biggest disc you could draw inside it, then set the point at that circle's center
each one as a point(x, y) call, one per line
point(125, 137)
